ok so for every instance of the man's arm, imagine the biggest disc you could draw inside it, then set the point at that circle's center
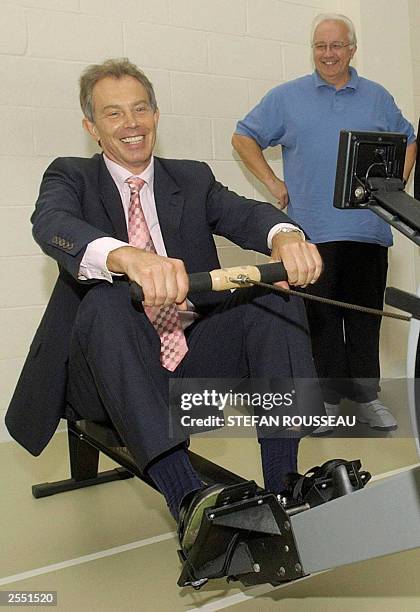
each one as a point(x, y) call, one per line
point(251, 154)
point(410, 158)
point(59, 225)
point(248, 224)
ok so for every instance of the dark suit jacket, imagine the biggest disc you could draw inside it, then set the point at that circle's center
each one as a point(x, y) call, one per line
point(78, 203)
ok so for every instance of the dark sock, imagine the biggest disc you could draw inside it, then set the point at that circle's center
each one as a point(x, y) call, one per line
point(278, 458)
point(175, 478)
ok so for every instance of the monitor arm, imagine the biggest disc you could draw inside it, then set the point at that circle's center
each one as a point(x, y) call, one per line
point(388, 200)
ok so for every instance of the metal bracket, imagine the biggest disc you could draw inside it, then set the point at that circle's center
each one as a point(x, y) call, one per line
point(246, 536)
point(242, 279)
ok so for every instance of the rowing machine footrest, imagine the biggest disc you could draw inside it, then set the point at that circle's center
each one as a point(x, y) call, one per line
point(246, 536)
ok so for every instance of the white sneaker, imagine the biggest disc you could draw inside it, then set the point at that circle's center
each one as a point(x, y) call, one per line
point(331, 410)
point(376, 415)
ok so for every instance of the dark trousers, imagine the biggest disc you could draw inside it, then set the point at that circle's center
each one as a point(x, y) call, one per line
point(115, 372)
point(345, 343)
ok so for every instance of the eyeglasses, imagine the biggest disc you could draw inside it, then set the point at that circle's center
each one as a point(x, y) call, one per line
point(335, 46)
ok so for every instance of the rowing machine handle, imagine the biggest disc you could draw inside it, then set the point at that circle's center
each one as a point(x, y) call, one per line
point(221, 279)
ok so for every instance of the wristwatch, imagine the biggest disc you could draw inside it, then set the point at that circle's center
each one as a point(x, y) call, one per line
point(287, 230)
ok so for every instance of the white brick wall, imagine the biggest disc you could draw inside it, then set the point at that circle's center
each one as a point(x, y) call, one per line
point(414, 6)
point(72, 36)
point(216, 16)
point(280, 21)
point(156, 11)
point(205, 96)
point(13, 32)
point(166, 47)
point(17, 325)
point(245, 56)
point(210, 61)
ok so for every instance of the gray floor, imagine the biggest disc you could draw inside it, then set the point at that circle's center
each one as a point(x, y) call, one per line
point(113, 548)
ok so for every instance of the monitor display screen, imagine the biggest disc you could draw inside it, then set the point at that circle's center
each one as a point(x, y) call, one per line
point(362, 155)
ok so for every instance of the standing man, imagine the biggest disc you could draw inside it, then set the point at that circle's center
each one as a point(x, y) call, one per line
point(125, 215)
point(305, 116)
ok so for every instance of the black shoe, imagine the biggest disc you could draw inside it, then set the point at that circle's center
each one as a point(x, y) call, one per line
point(191, 514)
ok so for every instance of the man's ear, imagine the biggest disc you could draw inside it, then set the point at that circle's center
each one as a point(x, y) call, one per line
point(90, 128)
point(156, 116)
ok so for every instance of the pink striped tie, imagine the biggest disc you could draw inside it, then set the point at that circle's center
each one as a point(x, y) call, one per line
point(166, 321)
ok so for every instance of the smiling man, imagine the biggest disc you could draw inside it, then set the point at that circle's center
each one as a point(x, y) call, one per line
point(333, 48)
point(126, 119)
point(305, 117)
point(125, 215)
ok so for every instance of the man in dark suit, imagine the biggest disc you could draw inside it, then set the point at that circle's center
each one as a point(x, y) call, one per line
point(98, 356)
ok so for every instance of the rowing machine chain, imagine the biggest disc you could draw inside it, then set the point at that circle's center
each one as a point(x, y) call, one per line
point(243, 280)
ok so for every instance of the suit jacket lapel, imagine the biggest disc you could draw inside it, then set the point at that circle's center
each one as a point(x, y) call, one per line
point(112, 202)
point(169, 206)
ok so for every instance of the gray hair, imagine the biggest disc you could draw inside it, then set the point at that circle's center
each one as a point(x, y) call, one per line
point(116, 68)
point(335, 17)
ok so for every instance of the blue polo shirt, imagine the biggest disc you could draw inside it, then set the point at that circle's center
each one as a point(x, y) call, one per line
point(305, 116)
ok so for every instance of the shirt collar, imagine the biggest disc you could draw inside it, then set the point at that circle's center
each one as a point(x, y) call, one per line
point(352, 83)
point(121, 174)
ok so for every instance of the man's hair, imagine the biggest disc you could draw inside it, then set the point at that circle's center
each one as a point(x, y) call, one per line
point(116, 68)
point(335, 17)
